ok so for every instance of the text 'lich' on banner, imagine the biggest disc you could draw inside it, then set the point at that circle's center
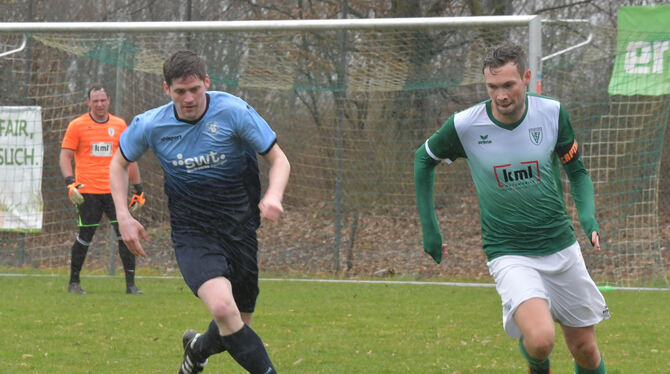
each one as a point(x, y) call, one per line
point(642, 65)
point(21, 161)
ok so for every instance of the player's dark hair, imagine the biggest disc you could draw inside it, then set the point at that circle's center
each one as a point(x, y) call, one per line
point(183, 64)
point(498, 56)
point(96, 87)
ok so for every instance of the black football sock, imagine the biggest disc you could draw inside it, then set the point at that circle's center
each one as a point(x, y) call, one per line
point(248, 350)
point(208, 344)
point(128, 261)
point(79, 250)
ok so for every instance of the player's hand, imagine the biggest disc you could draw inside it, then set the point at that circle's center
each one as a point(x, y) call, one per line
point(136, 202)
point(595, 240)
point(131, 233)
point(270, 208)
point(73, 193)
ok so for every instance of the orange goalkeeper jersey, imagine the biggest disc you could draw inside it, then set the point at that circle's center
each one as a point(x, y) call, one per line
point(94, 145)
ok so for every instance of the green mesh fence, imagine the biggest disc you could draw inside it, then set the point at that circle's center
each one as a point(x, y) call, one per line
point(350, 108)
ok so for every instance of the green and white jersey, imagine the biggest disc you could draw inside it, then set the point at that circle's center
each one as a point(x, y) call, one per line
point(516, 171)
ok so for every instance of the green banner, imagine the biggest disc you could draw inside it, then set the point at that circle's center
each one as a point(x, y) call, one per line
point(642, 65)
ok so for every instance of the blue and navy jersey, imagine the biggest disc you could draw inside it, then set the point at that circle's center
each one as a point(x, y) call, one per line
point(210, 166)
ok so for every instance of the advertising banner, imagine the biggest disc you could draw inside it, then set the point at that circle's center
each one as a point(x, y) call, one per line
point(642, 65)
point(21, 160)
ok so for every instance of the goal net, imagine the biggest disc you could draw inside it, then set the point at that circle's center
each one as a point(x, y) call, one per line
point(350, 107)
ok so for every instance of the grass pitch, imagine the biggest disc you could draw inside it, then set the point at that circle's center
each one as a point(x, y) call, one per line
point(308, 327)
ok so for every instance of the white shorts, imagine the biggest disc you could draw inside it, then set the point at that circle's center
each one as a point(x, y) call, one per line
point(560, 278)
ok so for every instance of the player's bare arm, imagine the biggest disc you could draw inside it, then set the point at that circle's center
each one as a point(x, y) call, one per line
point(134, 173)
point(271, 204)
point(65, 162)
point(131, 230)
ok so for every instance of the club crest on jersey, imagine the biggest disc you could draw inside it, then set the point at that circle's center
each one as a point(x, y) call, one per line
point(211, 129)
point(110, 131)
point(535, 135)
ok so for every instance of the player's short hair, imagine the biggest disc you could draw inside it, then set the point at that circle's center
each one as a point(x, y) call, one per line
point(498, 56)
point(183, 64)
point(96, 87)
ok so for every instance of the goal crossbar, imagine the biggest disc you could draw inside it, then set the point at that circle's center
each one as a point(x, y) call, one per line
point(266, 25)
point(533, 22)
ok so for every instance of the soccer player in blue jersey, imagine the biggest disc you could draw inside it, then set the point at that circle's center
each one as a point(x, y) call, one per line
point(206, 143)
point(514, 144)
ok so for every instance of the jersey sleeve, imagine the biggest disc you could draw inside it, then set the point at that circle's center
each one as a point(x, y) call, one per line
point(565, 133)
point(444, 145)
point(71, 137)
point(424, 180)
point(581, 185)
point(133, 142)
point(253, 129)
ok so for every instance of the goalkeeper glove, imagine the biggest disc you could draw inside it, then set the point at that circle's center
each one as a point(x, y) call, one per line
point(138, 200)
point(73, 190)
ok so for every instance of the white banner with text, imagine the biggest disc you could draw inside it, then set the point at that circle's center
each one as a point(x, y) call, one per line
point(21, 161)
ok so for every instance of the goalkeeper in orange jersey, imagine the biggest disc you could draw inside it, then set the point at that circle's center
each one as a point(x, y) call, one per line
point(90, 141)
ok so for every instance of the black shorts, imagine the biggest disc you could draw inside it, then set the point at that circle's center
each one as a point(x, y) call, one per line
point(202, 257)
point(89, 213)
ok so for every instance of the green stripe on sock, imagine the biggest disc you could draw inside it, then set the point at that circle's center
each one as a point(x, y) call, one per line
point(599, 370)
point(534, 362)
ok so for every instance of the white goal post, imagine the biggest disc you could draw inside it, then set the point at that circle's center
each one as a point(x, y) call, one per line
point(533, 22)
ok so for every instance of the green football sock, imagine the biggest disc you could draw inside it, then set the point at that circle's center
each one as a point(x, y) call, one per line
point(599, 370)
point(534, 363)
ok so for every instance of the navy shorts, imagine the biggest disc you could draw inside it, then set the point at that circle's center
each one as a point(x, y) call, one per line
point(202, 257)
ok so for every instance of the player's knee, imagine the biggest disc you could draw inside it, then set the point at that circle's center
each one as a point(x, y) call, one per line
point(86, 234)
point(225, 310)
point(587, 349)
point(539, 344)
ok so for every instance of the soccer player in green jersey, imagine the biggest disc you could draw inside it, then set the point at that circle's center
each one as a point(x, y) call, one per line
point(514, 144)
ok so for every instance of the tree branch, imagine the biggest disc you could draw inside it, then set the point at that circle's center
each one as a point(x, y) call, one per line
point(562, 6)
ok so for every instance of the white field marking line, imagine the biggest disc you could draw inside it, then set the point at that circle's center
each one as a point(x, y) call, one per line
point(365, 281)
point(312, 280)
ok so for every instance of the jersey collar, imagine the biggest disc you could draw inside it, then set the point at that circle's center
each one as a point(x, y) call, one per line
point(95, 120)
point(506, 126)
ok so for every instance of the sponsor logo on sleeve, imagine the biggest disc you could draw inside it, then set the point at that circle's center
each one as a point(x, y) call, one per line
point(570, 154)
